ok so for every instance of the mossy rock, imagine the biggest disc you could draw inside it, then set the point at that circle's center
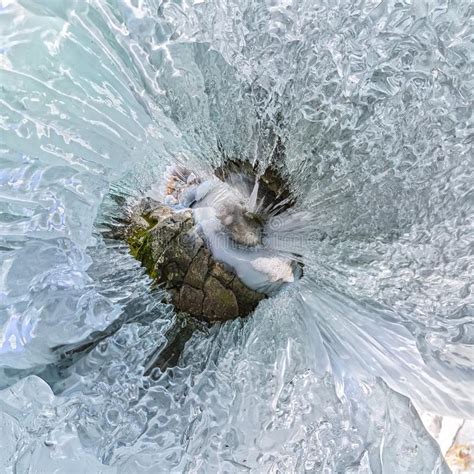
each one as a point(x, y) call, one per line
point(168, 245)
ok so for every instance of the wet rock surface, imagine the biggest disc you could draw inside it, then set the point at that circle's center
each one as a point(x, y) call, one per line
point(169, 246)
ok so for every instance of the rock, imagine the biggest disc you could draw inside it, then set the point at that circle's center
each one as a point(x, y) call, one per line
point(172, 275)
point(198, 269)
point(247, 298)
point(139, 223)
point(219, 271)
point(220, 303)
point(156, 246)
point(191, 300)
point(169, 246)
point(244, 228)
point(192, 241)
point(159, 213)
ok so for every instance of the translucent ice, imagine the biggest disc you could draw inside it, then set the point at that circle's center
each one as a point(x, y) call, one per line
point(371, 102)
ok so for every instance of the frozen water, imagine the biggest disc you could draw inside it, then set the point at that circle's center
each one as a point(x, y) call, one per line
point(372, 101)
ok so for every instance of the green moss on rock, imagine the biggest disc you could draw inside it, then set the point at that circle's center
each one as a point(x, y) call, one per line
point(168, 245)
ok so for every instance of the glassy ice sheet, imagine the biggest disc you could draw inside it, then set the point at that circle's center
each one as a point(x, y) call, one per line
point(372, 101)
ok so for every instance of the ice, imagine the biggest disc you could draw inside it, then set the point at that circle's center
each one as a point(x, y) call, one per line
point(39, 441)
point(372, 102)
point(259, 266)
point(269, 411)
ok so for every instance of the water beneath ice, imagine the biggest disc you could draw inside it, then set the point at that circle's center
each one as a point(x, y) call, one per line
point(372, 101)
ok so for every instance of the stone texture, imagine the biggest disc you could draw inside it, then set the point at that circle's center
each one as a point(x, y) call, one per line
point(172, 275)
point(159, 213)
point(220, 303)
point(247, 298)
point(244, 228)
point(198, 269)
point(220, 271)
point(169, 246)
point(191, 300)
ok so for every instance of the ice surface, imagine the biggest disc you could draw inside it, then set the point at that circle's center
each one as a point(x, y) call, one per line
point(372, 101)
point(260, 267)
